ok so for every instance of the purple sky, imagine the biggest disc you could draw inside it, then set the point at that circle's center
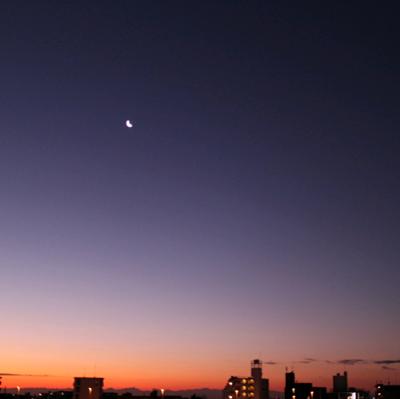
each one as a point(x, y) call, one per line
point(251, 211)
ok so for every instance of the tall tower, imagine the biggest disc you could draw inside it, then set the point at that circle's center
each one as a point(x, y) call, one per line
point(261, 385)
point(88, 388)
point(256, 369)
point(340, 382)
point(253, 387)
point(290, 380)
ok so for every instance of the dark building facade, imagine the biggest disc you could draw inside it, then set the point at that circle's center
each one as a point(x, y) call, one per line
point(302, 390)
point(88, 388)
point(340, 383)
point(387, 391)
point(319, 393)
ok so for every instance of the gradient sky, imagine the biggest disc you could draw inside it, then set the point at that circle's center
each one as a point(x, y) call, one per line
point(252, 211)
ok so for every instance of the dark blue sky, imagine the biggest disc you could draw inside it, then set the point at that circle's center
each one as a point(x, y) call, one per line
point(262, 172)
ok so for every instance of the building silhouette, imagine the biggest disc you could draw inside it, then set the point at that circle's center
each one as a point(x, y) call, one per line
point(387, 391)
point(302, 390)
point(340, 383)
point(319, 393)
point(87, 388)
point(252, 387)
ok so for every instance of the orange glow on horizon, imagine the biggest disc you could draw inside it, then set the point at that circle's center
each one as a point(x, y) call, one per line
point(189, 380)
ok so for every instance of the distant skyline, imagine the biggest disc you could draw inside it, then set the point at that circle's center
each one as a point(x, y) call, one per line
point(358, 370)
point(252, 211)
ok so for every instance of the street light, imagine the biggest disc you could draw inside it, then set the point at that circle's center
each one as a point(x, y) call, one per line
point(162, 390)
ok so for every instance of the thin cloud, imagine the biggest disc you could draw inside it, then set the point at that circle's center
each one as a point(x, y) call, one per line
point(308, 360)
point(347, 362)
point(351, 362)
point(387, 361)
point(387, 368)
point(24, 375)
point(270, 363)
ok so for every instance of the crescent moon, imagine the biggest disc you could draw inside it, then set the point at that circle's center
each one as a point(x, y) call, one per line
point(128, 123)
